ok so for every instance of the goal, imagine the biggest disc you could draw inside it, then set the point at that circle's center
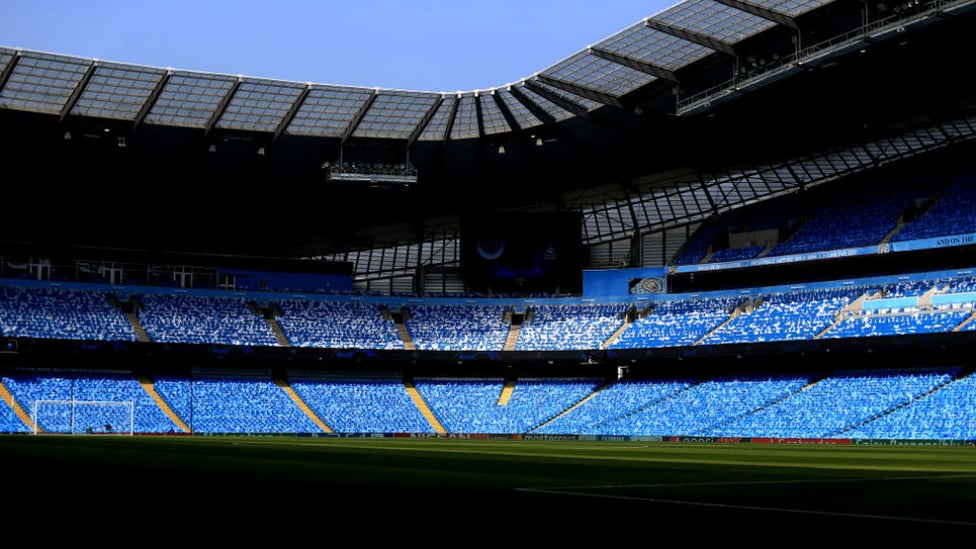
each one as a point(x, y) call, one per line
point(83, 417)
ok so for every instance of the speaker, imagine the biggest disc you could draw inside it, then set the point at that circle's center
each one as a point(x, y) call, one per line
point(522, 252)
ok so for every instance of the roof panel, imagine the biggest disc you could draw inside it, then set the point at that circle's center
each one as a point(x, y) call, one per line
point(646, 211)
point(641, 215)
point(803, 167)
point(784, 174)
point(725, 193)
point(589, 71)
point(520, 112)
point(437, 126)
point(718, 21)
point(491, 115)
point(117, 91)
point(856, 157)
point(700, 200)
point(328, 111)
point(466, 119)
point(558, 113)
point(42, 82)
point(791, 8)
point(959, 129)
point(642, 43)
point(190, 99)
point(259, 105)
point(6, 55)
point(774, 184)
point(588, 104)
point(395, 114)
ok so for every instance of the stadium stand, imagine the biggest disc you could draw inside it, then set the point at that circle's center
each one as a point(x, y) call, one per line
point(808, 279)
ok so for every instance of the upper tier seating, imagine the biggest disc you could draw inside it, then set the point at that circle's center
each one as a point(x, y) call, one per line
point(57, 313)
point(447, 327)
point(181, 318)
point(570, 327)
point(336, 324)
point(954, 213)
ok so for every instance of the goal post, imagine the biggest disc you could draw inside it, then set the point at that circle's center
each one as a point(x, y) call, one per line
point(83, 417)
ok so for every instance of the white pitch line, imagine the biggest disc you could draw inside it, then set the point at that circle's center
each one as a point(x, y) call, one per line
point(759, 482)
point(572, 491)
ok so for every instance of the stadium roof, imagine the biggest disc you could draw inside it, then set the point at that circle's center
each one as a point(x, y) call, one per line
point(702, 107)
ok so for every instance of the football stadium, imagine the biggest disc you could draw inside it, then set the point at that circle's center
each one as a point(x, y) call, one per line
point(715, 270)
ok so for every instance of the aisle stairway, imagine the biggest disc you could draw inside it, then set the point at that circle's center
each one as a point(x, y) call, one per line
point(422, 406)
point(506, 392)
point(149, 386)
point(285, 386)
point(7, 397)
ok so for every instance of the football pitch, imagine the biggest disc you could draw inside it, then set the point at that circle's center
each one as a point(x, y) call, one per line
point(532, 489)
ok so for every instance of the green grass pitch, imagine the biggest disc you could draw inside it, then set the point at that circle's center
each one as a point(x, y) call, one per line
point(529, 489)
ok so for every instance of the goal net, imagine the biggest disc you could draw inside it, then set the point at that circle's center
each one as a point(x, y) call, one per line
point(83, 417)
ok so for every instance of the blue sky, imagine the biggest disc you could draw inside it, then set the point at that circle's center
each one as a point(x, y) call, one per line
point(427, 45)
